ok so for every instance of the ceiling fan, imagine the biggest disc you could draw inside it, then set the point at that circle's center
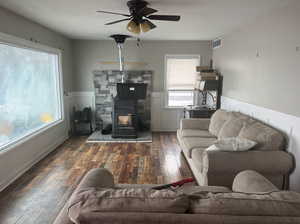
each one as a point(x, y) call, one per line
point(140, 16)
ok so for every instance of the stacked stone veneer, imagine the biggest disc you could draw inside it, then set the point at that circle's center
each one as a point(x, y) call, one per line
point(105, 83)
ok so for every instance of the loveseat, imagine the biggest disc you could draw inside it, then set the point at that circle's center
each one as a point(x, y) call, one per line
point(253, 199)
point(219, 168)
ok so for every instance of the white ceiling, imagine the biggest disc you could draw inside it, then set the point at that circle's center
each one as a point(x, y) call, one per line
point(201, 19)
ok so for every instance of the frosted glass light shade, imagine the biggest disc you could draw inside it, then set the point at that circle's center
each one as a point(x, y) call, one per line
point(145, 27)
point(133, 27)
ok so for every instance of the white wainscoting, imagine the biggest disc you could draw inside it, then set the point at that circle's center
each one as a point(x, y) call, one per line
point(162, 119)
point(289, 124)
point(80, 100)
point(15, 161)
point(83, 99)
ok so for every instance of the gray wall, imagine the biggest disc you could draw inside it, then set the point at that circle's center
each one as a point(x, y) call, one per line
point(261, 62)
point(89, 54)
point(15, 161)
point(16, 25)
point(261, 66)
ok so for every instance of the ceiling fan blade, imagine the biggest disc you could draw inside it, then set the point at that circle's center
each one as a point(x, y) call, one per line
point(118, 21)
point(114, 13)
point(146, 11)
point(164, 17)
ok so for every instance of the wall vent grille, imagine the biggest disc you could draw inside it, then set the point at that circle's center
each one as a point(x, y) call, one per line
point(217, 43)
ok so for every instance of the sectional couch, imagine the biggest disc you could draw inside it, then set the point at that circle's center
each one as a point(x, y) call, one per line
point(219, 168)
point(252, 199)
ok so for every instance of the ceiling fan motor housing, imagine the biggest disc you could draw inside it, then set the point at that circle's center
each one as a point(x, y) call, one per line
point(136, 5)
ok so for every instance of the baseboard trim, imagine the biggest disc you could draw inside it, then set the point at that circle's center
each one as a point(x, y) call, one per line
point(8, 181)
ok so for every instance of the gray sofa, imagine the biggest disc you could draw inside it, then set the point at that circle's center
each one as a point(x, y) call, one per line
point(219, 168)
point(253, 199)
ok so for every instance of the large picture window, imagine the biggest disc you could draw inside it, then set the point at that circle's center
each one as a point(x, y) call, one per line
point(180, 79)
point(30, 93)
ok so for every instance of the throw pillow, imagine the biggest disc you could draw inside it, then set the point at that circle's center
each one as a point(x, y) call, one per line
point(232, 144)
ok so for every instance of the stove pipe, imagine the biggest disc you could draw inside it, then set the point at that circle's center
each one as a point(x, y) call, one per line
point(120, 40)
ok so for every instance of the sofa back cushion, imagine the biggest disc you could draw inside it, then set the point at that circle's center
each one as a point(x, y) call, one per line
point(93, 200)
point(225, 124)
point(233, 126)
point(217, 121)
point(267, 138)
point(281, 203)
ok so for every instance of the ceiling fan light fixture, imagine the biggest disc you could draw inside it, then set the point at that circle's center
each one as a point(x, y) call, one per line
point(133, 27)
point(145, 27)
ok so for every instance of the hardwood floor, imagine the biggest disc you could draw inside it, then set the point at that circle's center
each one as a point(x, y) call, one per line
point(38, 195)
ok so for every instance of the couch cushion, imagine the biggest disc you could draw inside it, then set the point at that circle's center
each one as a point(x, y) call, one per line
point(249, 181)
point(194, 190)
point(281, 203)
point(191, 143)
point(200, 161)
point(234, 144)
point(217, 121)
point(92, 200)
point(267, 138)
point(196, 133)
point(233, 126)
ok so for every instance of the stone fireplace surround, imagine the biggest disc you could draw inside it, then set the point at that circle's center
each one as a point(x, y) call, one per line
point(105, 82)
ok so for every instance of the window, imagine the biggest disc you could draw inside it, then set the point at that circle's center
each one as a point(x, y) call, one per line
point(30, 93)
point(180, 79)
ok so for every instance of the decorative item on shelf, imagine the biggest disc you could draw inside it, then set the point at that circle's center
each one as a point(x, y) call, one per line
point(198, 112)
point(209, 84)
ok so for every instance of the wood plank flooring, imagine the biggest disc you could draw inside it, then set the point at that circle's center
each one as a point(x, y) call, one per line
point(38, 195)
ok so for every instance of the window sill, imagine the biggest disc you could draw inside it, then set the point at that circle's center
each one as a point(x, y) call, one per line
point(29, 136)
point(173, 108)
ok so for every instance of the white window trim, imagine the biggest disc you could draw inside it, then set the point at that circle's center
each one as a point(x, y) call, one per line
point(166, 102)
point(26, 44)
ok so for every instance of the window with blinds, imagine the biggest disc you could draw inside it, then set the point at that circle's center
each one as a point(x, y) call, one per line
point(180, 79)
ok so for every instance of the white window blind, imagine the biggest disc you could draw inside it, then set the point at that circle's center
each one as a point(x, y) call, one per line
point(180, 79)
point(181, 72)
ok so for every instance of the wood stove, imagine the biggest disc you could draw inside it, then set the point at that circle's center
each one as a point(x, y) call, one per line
point(125, 118)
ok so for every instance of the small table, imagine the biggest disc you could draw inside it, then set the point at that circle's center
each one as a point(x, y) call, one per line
point(192, 112)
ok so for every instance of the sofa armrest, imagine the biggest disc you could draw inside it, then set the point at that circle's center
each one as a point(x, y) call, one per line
point(98, 177)
point(249, 181)
point(195, 123)
point(265, 162)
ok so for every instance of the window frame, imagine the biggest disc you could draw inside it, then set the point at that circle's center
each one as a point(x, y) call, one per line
point(166, 91)
point(13, 41)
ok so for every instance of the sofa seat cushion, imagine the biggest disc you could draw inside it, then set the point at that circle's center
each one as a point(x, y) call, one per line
point(196, 133)
point(90, 201)
point(194, 190)
point(267, 138)
point(280, 203)
point(191, 143)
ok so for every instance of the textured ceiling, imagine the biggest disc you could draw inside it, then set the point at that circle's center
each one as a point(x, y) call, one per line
point(201, 19)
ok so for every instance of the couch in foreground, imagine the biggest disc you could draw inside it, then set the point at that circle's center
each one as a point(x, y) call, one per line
point(253, 199)
point(219, 167)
